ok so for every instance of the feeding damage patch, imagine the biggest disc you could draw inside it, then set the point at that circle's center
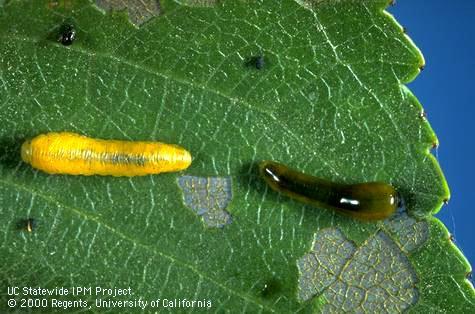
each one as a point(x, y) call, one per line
point(408, 232)
point(377, 275)
point(208, 197)
point(139, 11)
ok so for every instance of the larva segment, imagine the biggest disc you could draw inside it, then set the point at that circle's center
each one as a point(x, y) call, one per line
point(74, 154)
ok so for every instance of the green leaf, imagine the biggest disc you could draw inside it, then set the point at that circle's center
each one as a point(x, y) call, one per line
point(328, 100)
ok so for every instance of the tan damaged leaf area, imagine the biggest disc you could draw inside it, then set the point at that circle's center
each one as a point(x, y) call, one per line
point(367, 278)
point(316, 85)
point(139, 12)
point(208, 197)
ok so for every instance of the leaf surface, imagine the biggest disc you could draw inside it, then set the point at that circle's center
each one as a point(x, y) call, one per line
point(328, 100)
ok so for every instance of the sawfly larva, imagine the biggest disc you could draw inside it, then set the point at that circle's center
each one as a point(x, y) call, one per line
point(75, 154)
point(364, 201)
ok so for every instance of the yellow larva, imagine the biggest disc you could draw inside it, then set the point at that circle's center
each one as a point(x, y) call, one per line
point(75, 154)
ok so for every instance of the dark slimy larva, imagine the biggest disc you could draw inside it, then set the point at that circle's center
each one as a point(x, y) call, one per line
point(364, 201)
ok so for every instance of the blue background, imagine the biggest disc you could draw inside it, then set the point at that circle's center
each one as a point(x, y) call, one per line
point(445, 33)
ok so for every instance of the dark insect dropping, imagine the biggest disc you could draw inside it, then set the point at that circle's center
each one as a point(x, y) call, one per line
point(259, 62)
point(271, 288)
point(452, 238)
point(28, 224)
point(256, 62)
point(68, 35)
